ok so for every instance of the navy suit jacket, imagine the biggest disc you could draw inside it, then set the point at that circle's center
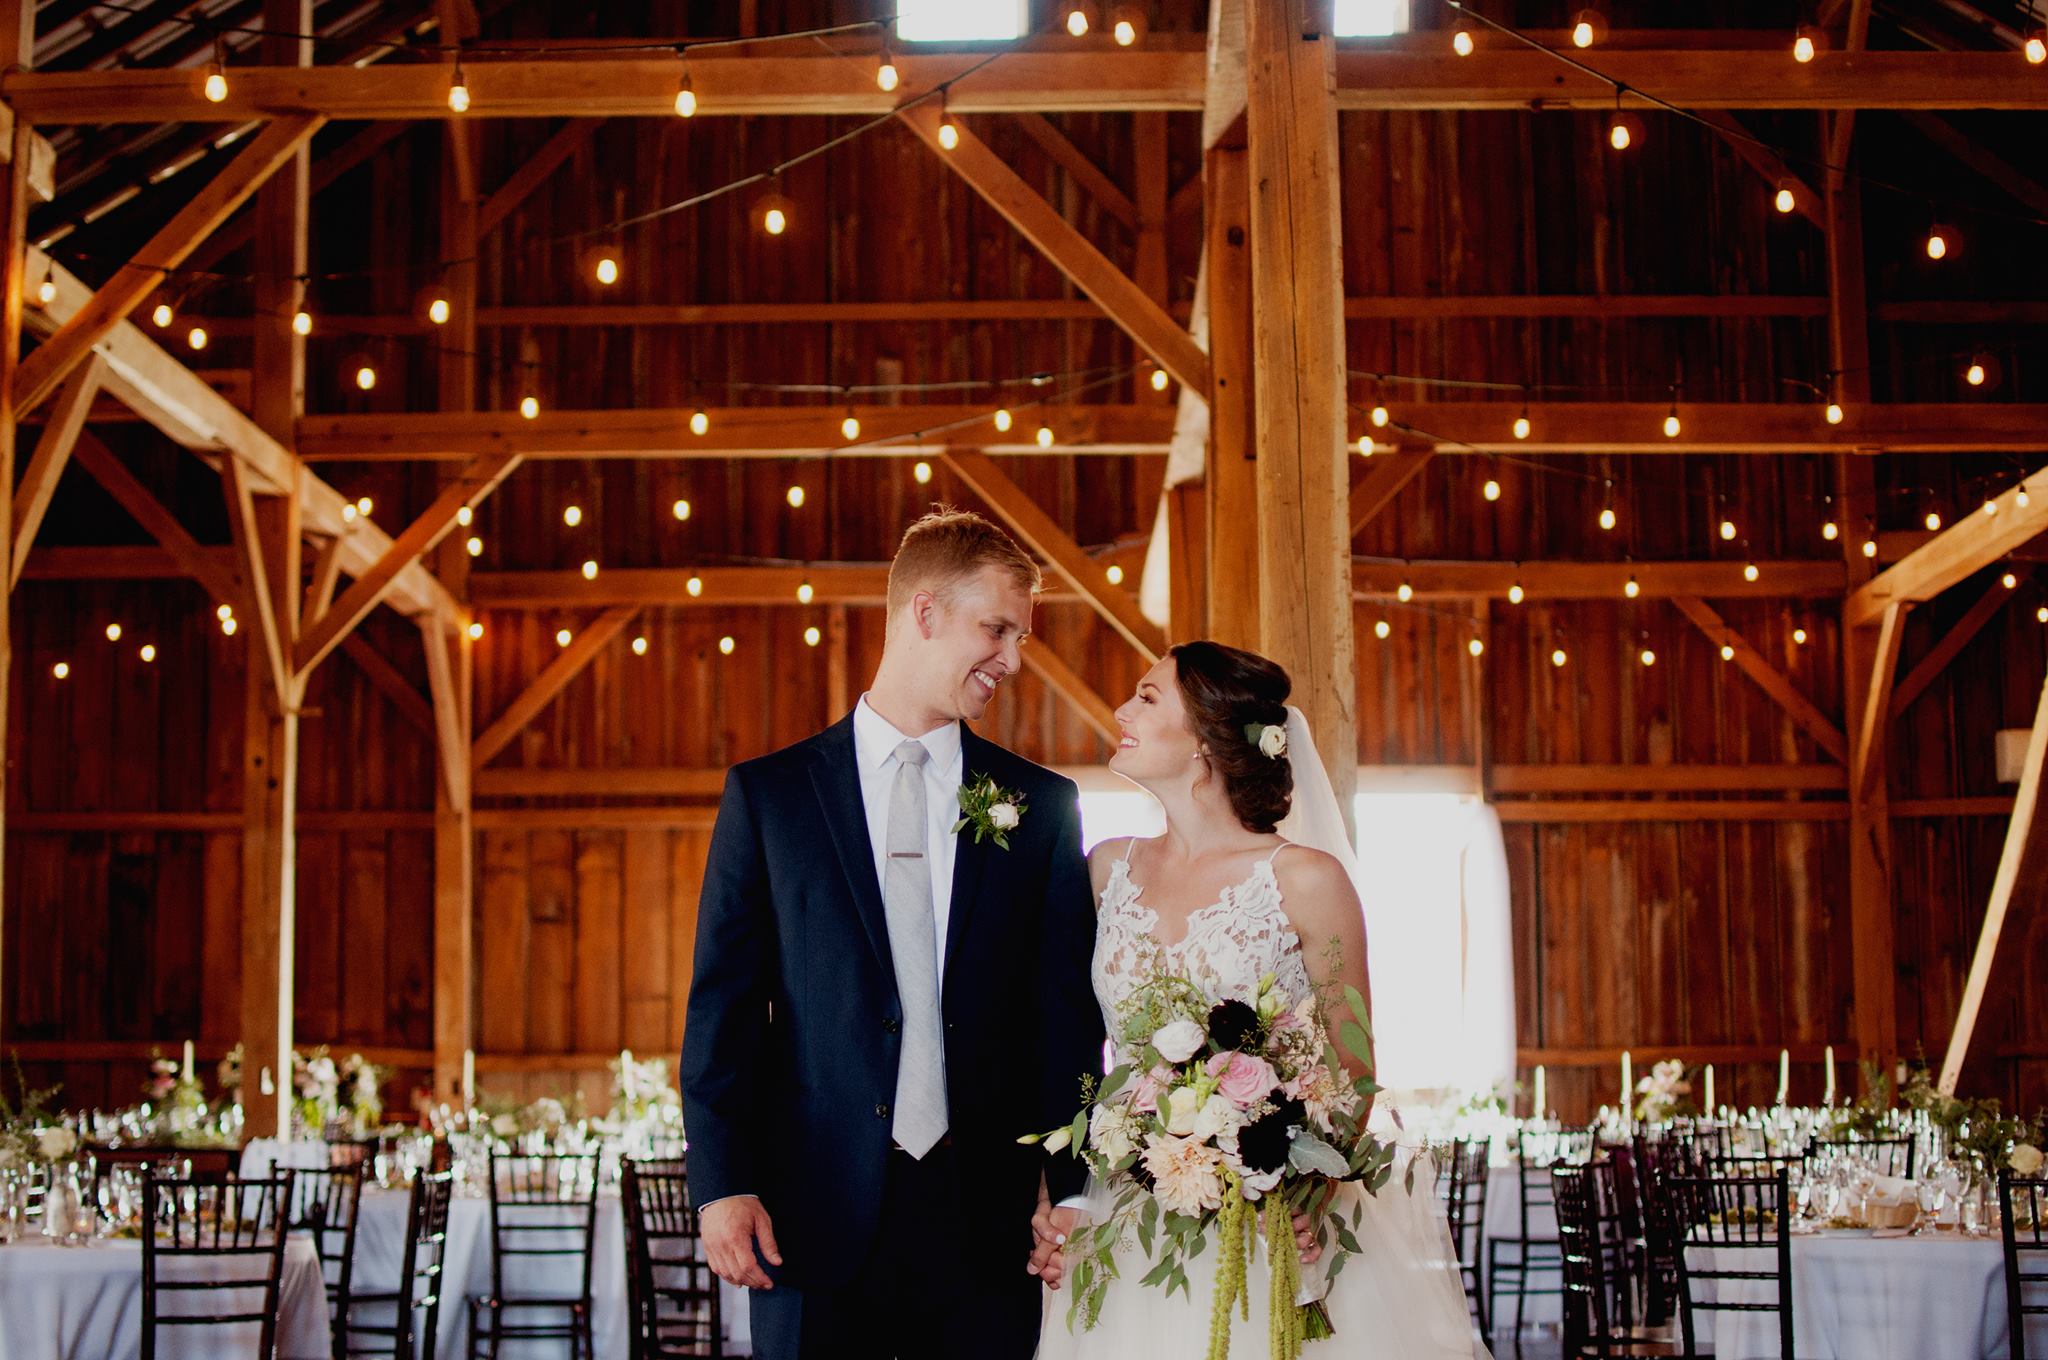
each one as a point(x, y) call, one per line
point(794, 1028)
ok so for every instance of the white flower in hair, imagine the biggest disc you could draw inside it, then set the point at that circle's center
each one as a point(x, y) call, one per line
point(1270, 738)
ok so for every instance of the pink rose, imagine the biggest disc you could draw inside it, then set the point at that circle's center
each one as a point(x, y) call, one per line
point(1146, 1096)
point(1243, 1079)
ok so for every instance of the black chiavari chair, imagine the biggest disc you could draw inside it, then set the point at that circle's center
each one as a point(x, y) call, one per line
point(671, 1290)
point(2022, 1204)
point(1890, 1156)
point(1461, 1185)
point(414, 1307)
point(1737, 1234)
point(1533, 1249)
point(543, 1209)
point(222, 1237)
point(324, 1205)
point(1595, 1263)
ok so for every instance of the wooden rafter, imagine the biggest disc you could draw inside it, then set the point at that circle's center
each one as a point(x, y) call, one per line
point(1973, 542)
point(1768, 678)
point(451, 734)
point(46, 466)
point(1099, 186)
point(268, 614)
point(1866, 766)
point(1806, 200)
point(1595, 580)
point(395, 687)
point(1042, 661)
point(554, 677)
point(42, 371)
point(207, 566)
point(325, 171)
point(1952, 642)
point(1967, 150)
point(326, 576)
point(1144, 320)
point(1044, 537)
point(370, 588)
point(567, 140)
point(1383, 481)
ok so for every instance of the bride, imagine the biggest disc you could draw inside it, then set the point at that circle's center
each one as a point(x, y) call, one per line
point(1254, 875)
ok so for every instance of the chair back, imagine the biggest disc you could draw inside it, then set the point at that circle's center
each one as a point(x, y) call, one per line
point(386, 1323)
point(2022, 1207)
point(212, 1256)
point(1735, 1247)
point(674, 1295)
point(543, 1205)
point(324, 1206)
point(1538, 1153)
point(1595, 1252)
point(1461, 1185)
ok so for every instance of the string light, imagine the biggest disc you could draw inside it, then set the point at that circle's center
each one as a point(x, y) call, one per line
point(438, 311)
point(887, 78)
point(529, 407)
point(1870, 547)
point(1461, 42)
point(1159, 379)
point(61, 670)
point(804, 592)
point(1515, 593)
point(364, 505)
point(474, 547)
point(850, 427)
point(148, 652)
point(216, 87)
point(1830, 531)
point(113, 632)
point(1045, 436)
point(1115, 574)
point(795, 496)
point(572, 515)
point(1607, 517)
point(1492, 489)
point(774, 210)
point(1475, 646)
point(1126, 24)
point(695, 586)
point(476, 629)
point(366, 377)
point(458, 91)
point(1380, 417)
point(1727, 652)
point(1990, 506)
point(1077, 21)
point(1940, 242)
point(1784, 200)
point(812, 635)
point(46, 291)
point(607, 270)
point(686, 98)
point(2010, 580)
point(1589, 26)
point(1522, 424)
point(2041, 614)
point(224, 612)
point(1624, 130)
point(1727, 530)
point(921, 472)
point(949, 132)
point(2020, 498)
point(1750, 572)
point(1366, 448)
point(2036, 48)
point(1804, 44)
point(1799, 637)
point(464, 514)
point(1002, 421)
point(196, 337)
point(1671, 425)
point(162, 316)
point(1974, 374)
point(700, 422)
point(302, 322)
point(1381, 629)
point(1648, 657)
point(681, 510)
point(590, 569)
point(640, 646)
point(227, 627)
point(1557, 657)
point(726, 644)
point(1632, 589)
point(563, 637)
point(1933, 520)
point(1834, 413)
point(1404, 592)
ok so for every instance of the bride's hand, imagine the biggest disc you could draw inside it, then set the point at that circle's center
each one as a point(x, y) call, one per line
point(1305, 1238)
point(1049, 1229)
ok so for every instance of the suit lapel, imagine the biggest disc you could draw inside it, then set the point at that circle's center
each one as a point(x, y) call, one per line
point(969, 857)
point(835, 771)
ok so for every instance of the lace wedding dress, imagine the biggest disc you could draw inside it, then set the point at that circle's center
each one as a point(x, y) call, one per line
point(1398, 1299)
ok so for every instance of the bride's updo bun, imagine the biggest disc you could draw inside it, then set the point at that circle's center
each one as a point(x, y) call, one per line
point(1225, 689)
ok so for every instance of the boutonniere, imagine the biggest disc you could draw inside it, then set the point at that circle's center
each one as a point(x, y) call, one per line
point(992, 810)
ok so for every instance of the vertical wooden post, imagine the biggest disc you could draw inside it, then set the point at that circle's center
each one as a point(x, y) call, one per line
point(1187, 557)
point(838, 683)
point(17, 49)
point(1231, 479)
point(1298, 355)
point(278, 367)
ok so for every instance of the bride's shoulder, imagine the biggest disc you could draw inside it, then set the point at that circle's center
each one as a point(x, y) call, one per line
point(1314, 884)
point(1104, 858)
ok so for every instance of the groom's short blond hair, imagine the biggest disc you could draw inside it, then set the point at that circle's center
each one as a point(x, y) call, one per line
point(946, 547)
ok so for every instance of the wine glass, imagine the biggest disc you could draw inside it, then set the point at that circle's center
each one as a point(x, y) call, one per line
point(1932, 1195)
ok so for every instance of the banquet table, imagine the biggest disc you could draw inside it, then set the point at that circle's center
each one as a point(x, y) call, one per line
point(1856, 1296)
point(85, 1303)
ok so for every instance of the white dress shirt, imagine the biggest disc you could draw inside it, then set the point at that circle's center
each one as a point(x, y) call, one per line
point(875, 741)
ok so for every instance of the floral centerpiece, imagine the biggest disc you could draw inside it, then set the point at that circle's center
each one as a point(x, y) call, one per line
point(1222, 1119)
point(316, 1090)
point(1662, 1094)
point(642, 1092)
point(29, 1130)
point(174, 1090)
point(361, 1083)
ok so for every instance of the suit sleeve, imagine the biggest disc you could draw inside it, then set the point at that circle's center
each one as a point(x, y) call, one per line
point(725, 1033)
point(1072, 1022)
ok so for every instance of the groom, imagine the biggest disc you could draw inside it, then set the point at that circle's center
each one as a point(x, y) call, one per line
point(881, 1007)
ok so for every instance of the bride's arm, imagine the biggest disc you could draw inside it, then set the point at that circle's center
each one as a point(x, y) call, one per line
point(1322, 905)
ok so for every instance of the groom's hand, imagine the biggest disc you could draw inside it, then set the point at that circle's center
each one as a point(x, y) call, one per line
point(730, 1228)
point(1049, 1230)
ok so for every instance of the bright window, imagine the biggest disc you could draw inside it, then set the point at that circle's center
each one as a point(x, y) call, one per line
point(959, 20)
point(1370, 18)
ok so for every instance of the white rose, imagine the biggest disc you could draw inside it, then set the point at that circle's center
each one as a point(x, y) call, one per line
point(1003, 816)
point(505, 1125)
point(1057, 1140)
point(1181, 1109)
point(1178, 1041)
point(54, 1145)
point(1110, 1133)
point(1273, 741)
point(2025, 1159)
point(1218, 1115)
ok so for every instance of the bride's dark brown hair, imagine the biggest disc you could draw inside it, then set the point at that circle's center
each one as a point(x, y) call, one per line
point(1224, 689)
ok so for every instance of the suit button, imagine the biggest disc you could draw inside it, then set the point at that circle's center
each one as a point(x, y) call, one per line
point(881, 1111)
point(889, 1026)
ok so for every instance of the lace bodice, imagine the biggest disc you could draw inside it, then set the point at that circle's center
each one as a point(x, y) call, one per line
point(1230, 944)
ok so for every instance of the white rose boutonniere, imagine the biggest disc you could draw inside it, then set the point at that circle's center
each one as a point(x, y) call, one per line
point(993, 811)
point(1270, 738)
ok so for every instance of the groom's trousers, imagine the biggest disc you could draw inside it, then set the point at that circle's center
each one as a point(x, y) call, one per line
point(916, 1296)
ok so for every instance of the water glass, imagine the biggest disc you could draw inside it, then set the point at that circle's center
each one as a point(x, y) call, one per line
point(1933, 1196)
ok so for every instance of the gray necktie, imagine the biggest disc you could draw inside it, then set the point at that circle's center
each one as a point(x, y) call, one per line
point(907, 897)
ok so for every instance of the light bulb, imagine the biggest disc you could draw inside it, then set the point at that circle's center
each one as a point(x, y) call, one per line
point(113, 632)
point(886, 75)
point(1607, 517)
point(1159, 380)
point(1382, 629)
point(1380, 417)
point(61, 669)
point(1834, 413)
point(850, 427)
point(458, 95)
point(224, 612)
point(437, 311)
point(227, 627)
point(476, 630)
point(1799, 637)
point(726, 644)
point(1618, 135)
point(607, 270)
point(795, 497)
point(1404, 592)
point(529, 407)
point(949, 135)
point(695, 586)
point(563, 637)
point(921, 472)
point(1750, 572)
point(1125, 32)
point(46, 292)
point(1045, 436)
point(302, 323)
point(1115, 574)
point(1648, 658)
point(148, 652)
point(1582, 34)
point(463, 515)
point(1077, 22)
point(1366, 448)
point(686, 99)
point(474, 547)
point(1727, 530)
point(1461, 43)
point(1492, 489)
point(1802, 48)
point(681, 510)
point(1632, 589)
point(572, 515)
point(1557, 656)
point(1515, 593)
point(1933, 520)
point(1937, 244)
point(804, 592)
point(1521, 427)
point(366, 377)
point(1830, 531)
point(2010, 580)
point(2021, 499)
point(2041, 614)
point(1974, 374)
point(162, 315)
point(1475, 646)
point(700, 422)
point(1727, 652)
point(2037, 49)
point(364, 505)
point(1002, 421)
point(1870, 547)
point(1784, 201)
point(196, 337)
point(590, 569)
point(812, 635)
point(1990, 507)
point(775, 221)
point(640, 646)
point(1671, 426)
point(216, 85)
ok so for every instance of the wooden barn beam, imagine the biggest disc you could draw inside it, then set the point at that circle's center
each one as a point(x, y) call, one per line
point(393, 686)
point(1072, 690)
point(1758, 155)
point(326, 576)
point(1715, 427)
point(1145, 321)
point(1929, 667)
point(445, 665)
point(325, 171)
point(46, 465)
point(1230, 472)
point(1768, 678)
point(368, 590)
point(566, 141)
point(1595, 580)
point(1105, 191)
point(1383, 481)
point(554, 677)
point(270, 581)
point(1973, 542)
point(41, 372)
point(2017, 887)
point(1967, 150)
point(214, 568)
point(1873, 715)
point(277, 368)
point(1043, 536)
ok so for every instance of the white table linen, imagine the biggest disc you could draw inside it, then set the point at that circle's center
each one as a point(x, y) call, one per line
point(1504, 1220)
point(85, 1303)
point(1858, 1297)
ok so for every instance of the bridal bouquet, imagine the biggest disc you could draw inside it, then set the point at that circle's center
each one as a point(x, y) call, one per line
point(1221, 1121)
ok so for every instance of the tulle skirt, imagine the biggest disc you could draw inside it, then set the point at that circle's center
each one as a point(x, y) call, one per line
point(1398, 1298)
